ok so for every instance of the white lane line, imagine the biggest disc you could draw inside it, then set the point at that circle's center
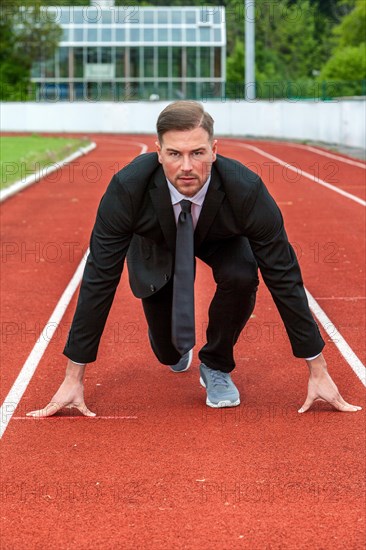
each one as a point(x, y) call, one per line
point(327, 154)
point(297, 170)
point(33, 178)
point(24, 377)
point(347, 353)
point(17, 390)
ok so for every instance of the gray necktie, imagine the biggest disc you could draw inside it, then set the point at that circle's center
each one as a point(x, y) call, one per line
point(183, 331)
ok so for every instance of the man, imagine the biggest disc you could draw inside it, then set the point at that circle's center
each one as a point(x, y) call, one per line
point(148, 214)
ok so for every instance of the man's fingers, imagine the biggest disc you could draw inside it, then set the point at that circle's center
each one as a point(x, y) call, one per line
point(339, 403)
point(343, 406)
point(309, 401)
point(49, 410)
point(84, 409)
point(53, 408)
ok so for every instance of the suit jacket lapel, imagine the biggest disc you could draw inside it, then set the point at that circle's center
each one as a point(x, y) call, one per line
point(161, 200)
point(210, 207)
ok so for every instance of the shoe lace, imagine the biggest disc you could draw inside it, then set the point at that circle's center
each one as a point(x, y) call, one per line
point(219, 378)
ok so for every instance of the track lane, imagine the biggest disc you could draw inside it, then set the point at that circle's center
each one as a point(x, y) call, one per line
point(327, 233)
point(181, 475)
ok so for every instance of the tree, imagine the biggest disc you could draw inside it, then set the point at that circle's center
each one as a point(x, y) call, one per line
point(28, 35)
point(348, 61)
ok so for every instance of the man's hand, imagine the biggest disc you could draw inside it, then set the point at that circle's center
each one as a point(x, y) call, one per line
point(322, 388)
point(70, 394)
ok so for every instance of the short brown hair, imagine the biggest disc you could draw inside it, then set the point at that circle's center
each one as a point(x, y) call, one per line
point(184, 115)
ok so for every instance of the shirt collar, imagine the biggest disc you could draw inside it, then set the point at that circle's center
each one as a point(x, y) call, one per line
point(197, 199)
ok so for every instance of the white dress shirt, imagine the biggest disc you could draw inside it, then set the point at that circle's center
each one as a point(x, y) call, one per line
point(196, 200)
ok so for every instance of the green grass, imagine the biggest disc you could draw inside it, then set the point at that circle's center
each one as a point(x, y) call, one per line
point(23, 155)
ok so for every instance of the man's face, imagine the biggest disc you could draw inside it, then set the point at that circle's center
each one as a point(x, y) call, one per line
point(187, 157)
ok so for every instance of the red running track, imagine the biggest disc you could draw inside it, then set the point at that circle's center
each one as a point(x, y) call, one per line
point(157, 468)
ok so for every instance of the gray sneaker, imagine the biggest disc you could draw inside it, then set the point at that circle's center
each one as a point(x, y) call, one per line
point(184, 362)
point(221, 390)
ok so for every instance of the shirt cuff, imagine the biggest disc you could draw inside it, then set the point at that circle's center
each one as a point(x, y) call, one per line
point(311, 358)
point(80, 364)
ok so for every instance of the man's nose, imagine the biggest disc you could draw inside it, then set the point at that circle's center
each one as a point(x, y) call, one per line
point(186, 164)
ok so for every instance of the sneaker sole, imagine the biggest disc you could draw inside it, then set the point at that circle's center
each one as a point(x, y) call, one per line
point(188, 365)
point(220, 404)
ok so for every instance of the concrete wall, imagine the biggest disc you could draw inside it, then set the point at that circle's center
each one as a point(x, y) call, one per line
point(339, 122)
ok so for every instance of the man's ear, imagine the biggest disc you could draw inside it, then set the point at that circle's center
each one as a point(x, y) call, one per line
point(214, 150)
point(158, 150)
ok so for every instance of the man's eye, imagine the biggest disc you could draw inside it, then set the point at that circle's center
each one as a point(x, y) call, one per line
point(173, 154)
point(197, 153)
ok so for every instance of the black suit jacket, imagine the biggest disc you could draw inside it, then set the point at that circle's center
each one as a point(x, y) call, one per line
point(136, 219)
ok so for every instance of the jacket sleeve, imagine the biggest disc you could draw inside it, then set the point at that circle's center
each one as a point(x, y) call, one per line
point(281, 272)
point(109, 243)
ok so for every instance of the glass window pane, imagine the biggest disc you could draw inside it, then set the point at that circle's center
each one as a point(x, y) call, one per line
point(149, 34)
point(177, 16)
point(106, 55)
point(177, 62)
point(217, 62)
point(192, 62)
point(135, 35)
point(217, 35)
point(163, 90)
point(78, 34)
point(191, 35)
point(149, 62)
point(91, 15)
point(50, 67)
point(92, 55)
point(36, 69)
point(205, 57)
point(177, 90)
point(204, 33)
point(64, 15)
point(162, 16)
point(218, 16)
point(163, 35)
point(190, 16)
point(163, 62)
point(64, 62)
point(77, 14)
point(192, 90)
point(176, 34)
point(106, 91)
point(65, 35)
point(120, 62)
point(134, 62)
point(92, 35)
point(107, 16)
point(149, 16)
point(120, 35)
point(78, 62)
point(106, 34)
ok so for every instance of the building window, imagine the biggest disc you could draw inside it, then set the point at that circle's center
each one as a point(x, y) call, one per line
point(205, 58)
point(134, 62)
point(78, 62)
point(149, 62)
point(191, 62)
point(217, 62)
point(120, 62)
point(64, 62)
point(162, 62)
point(177, 62)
